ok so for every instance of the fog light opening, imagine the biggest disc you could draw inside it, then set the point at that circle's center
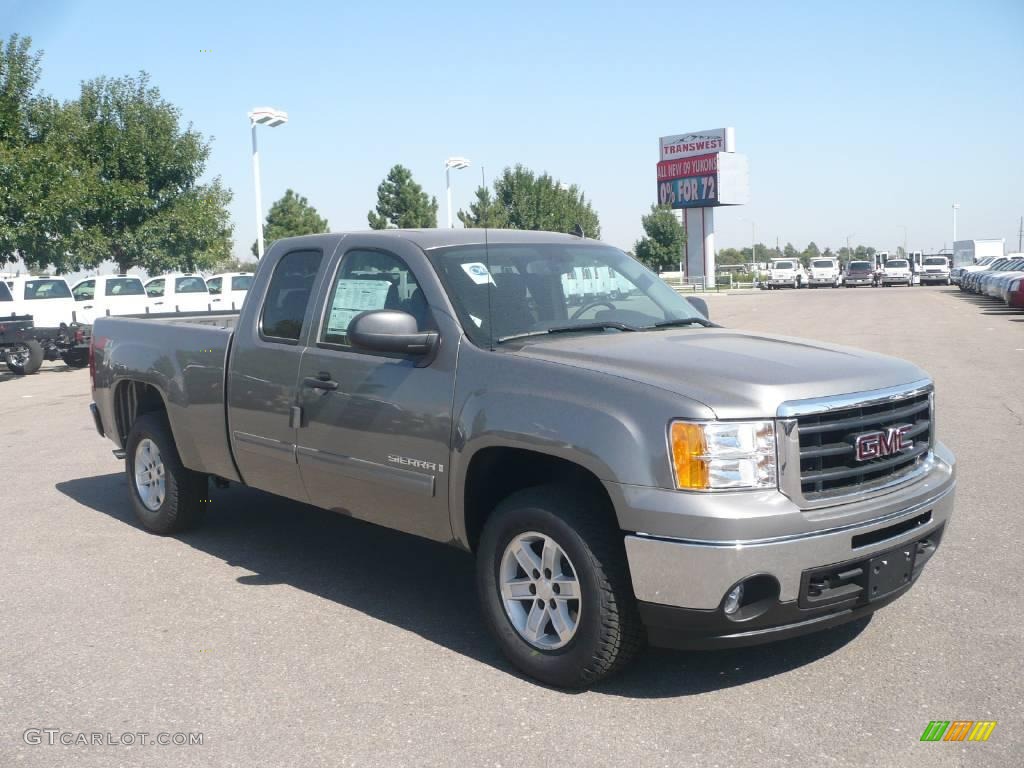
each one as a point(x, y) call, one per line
point(751, 597)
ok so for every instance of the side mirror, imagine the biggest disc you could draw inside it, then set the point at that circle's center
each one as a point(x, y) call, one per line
point(700, 305)
point(390, 330)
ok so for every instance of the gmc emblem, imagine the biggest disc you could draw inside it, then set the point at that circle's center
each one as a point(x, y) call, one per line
point(886, 442)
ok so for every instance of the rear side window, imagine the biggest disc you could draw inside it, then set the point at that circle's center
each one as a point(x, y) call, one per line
point(5, 292)
point(189, 285)
point(288, 295)
point(155, 288)
point(214, 284)
point(124, 286)
point(84, 291)
point(241, 282)
point(47, 289)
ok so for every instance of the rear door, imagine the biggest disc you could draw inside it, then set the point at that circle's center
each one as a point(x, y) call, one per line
point(263, 375)
point(374, 440)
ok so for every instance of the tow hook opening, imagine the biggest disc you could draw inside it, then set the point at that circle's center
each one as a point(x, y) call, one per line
point(750, 598)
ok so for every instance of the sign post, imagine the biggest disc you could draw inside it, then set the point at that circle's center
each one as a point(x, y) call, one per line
point(698, 172)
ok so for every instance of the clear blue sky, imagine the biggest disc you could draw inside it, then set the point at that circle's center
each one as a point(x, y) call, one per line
point(857, 117)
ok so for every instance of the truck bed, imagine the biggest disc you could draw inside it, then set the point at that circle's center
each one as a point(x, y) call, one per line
point(185, 356)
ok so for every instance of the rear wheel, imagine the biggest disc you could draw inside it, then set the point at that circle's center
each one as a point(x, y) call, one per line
point(167, 497)
point(554, 586)
point(26, 358)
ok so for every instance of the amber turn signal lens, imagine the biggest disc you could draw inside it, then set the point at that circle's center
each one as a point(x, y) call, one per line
point(689, 450)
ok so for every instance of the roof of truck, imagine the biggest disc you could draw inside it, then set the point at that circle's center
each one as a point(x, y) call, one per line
point(441, 238)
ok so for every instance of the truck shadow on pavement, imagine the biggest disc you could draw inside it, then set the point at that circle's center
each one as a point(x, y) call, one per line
point(426, 588)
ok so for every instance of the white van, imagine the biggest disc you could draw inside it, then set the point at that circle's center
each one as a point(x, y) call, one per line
point(178, 292)
point(109, 295)
point(824, 272)
point(47, 299)
point(228, 289)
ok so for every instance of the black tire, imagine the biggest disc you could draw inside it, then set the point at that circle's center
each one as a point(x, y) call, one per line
point(610, 631)
point(31, 364)
point(185, 491)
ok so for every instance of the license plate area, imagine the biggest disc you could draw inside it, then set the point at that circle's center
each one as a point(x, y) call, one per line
point(890, 570)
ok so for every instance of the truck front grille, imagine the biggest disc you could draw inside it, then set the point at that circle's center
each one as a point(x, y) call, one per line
point(828, 463)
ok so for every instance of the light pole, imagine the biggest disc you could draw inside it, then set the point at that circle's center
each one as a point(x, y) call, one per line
point(905, 254)
point(849, 253)
point(753, 245)
point(458, 163)
point(272, 118)
point(956, 207)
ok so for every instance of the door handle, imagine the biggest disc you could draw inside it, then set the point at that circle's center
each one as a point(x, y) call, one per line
point(319, 383)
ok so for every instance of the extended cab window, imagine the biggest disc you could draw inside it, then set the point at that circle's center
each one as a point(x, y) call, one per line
point(47, 289)
point(288, 295)
point(189, 285)
point(214, 284)
point(124, 286)
point(155, 288)
point(5, 292)
point(241, 282)
point(84, 291)
point(370, 280)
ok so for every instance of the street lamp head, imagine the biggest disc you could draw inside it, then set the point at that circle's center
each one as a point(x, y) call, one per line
point(268, 116)
point(458, 163)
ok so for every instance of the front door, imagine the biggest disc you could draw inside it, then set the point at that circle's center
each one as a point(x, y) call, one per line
point(375, 433)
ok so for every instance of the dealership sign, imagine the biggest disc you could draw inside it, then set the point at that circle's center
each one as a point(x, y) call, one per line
point(698, 143)
point(704, 181)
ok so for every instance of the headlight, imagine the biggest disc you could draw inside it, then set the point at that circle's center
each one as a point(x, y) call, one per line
point(723, 454)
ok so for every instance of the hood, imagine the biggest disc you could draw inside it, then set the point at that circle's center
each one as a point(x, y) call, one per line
point(737, 375)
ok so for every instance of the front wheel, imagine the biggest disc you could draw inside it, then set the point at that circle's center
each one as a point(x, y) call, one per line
point(555, 589)
point(25, 359)
point(167, 496)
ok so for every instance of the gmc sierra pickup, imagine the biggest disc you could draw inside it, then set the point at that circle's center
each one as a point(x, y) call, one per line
point(624, 470)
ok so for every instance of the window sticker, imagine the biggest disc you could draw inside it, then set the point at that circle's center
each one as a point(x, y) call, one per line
point(477, 272)
point(352, 297)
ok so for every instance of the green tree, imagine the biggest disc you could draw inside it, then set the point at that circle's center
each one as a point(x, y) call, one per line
point(790, 252)
point(110, 175)
point(662, 247)
point(291, 216)
point(485, 211)
point(810, 252)
point(727, 256)
point(524, 200)
point(402, 203)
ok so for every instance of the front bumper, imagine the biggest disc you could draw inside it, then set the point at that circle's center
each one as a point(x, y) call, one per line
point(682, 578)
point(934, 277)
point(859, 281)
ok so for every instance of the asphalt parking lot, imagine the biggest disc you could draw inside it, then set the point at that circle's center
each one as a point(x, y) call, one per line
point(288, 636)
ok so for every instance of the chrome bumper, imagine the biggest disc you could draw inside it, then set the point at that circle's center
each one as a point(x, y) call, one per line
point(697, 574)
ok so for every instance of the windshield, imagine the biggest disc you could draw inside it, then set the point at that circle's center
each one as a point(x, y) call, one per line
point(935, 261)
point(897, 263)
point(124, 286)
point(5, 292)
point(509, 290)
point(822, 264)
point(189, 285)
point(241, 282)
point(47, 289)
point(859, 266)
point(782, 265)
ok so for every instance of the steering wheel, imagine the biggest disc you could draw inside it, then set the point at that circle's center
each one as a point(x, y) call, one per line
point(590, 305)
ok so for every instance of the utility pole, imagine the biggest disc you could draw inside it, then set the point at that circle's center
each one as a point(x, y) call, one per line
point(956, 207)
point(1020, 234)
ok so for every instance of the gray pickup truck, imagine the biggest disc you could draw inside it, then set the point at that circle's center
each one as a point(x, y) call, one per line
point(624, 470)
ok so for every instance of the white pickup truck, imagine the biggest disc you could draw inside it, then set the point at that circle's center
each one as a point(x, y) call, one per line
point(179, 292)
point(786, 273)
point(109, 295)
point(47, 299)
point(934, 270)
point(896, 272)
point(825, 272)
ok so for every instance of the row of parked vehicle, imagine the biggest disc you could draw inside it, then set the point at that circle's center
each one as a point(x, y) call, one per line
point(46, 318)
point(829, 273)
point(999, 278)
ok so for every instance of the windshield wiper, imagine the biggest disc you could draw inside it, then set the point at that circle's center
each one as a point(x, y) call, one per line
point(686, 321)
point(596, 326)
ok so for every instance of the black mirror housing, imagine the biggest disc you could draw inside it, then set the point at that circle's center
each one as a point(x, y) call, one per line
point(390, 331)
point(700, 305)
